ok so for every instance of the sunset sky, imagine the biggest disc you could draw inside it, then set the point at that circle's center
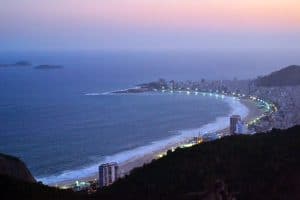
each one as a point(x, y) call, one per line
point(148, 24)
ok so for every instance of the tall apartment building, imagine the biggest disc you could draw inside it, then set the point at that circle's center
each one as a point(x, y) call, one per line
point(108, 174)
point(234, 119)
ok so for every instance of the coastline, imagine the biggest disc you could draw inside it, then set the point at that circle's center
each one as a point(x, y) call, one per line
point(253, 110)
point(148, 154)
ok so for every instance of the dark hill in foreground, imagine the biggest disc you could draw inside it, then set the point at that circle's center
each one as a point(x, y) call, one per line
point(14, 189)
point(288, 76)
point(14, 167)
point(262, 166)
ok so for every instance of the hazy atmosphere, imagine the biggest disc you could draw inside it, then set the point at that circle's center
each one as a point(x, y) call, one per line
point(149, 24)
point(149, 99)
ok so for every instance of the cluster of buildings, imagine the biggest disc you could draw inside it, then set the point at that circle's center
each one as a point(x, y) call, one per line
point(282, 113)
point(109, 172)
point(286, 97)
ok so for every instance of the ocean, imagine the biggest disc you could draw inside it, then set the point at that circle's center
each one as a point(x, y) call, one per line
point(49, 120)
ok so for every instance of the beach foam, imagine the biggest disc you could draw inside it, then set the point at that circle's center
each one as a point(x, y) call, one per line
point(92, 94)
point(110, 92)
point(220, 123)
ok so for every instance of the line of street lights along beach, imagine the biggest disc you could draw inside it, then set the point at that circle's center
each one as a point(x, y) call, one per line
point(110, 172)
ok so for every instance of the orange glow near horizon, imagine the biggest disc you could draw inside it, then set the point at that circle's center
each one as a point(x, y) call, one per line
point(151, 23)
point(215, 14)
point(191, 13)
point(194, 14)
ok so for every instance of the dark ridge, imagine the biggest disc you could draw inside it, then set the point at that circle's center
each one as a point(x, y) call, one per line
point(288, 76)
point(11, 188)
point(14, 167)
point(8, 157)
point(261, 166)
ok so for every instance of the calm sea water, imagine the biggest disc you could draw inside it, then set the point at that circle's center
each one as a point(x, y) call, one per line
point(48, 121)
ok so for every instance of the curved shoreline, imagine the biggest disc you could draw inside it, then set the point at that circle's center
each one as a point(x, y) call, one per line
point(147, 153)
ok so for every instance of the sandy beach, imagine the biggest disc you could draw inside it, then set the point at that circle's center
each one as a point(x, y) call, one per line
point(138, 161)
point(131, 164)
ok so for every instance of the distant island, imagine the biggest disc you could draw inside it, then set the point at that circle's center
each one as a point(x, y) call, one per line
point(24, 63)
point(17, 64)
point(48, 67)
